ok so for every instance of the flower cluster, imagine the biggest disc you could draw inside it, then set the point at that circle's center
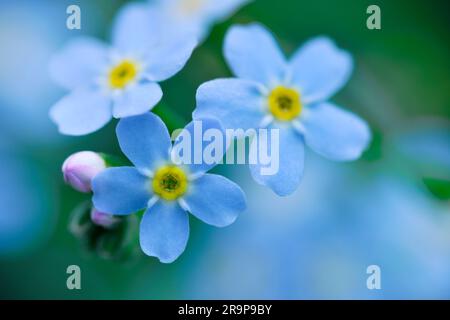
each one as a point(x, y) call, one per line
point(151, 42)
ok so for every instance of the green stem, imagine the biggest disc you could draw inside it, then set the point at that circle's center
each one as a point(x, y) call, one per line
point(172, 119)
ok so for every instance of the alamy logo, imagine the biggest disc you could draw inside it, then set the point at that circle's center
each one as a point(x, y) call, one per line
point(74, 279)
point(374, 280)
point(209, 146)
point(374, 20)
point(74, 19)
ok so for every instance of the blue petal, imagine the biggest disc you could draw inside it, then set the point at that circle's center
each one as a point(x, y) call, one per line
point(219, 10)
point(120, 191)
point(235, 103)
point(215, 200)
point(320, 69)
point(210, 13)
point(169, 58)
point(79, 63)
point(81, 112)
point(335, 133)
point(144, 140)
point(426, 136)
point(164, 231)
point(252, 53)
point(146, 31)
point(137, 100)
point(137, 28)
point(287, 178)
point(193, 141)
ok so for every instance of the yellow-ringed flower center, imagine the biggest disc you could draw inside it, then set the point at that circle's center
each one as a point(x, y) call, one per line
point(284, 103)
point(122, 74)
point(169, 182)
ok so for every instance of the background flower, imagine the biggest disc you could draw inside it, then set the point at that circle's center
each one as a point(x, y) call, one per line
point(118, 81)
point(196, 16)
point(270, 92)
point(25, 221)
point(319, 243)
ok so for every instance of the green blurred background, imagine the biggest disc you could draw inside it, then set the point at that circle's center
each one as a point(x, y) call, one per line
point(400, 84)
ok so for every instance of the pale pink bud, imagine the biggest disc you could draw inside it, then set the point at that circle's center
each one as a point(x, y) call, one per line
point(103, 219)
point(80, 168)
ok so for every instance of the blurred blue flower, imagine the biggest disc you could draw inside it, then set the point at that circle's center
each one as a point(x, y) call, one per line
point(307, 248)
point(164, 189)
point(29, 26)
point(27, 217)
point(424, 136)
point(118, 81)
point(270, 92)
point(197, 16)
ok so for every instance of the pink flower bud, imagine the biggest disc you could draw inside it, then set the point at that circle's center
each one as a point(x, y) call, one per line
point(103, 219)
point(80, 168)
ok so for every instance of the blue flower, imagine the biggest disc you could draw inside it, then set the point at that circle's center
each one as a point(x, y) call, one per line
point(197, 16)
point(165, 189)
point(119, 80)
point(271, 92)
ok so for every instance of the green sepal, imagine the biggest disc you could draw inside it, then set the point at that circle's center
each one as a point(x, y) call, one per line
point(119, 242)
point(114, 161)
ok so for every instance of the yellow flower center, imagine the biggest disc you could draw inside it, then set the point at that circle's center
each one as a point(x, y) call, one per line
point(170, 182)
point(284, 103)
point(190, 6)
point(122, 74)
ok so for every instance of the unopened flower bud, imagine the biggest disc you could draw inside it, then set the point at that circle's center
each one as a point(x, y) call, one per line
point(103, 219)
point(80, 168)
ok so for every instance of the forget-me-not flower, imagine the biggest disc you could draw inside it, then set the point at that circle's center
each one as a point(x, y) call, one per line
point(197, 16)
point(119, 80)
point(271, 92)
point(165, 189)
